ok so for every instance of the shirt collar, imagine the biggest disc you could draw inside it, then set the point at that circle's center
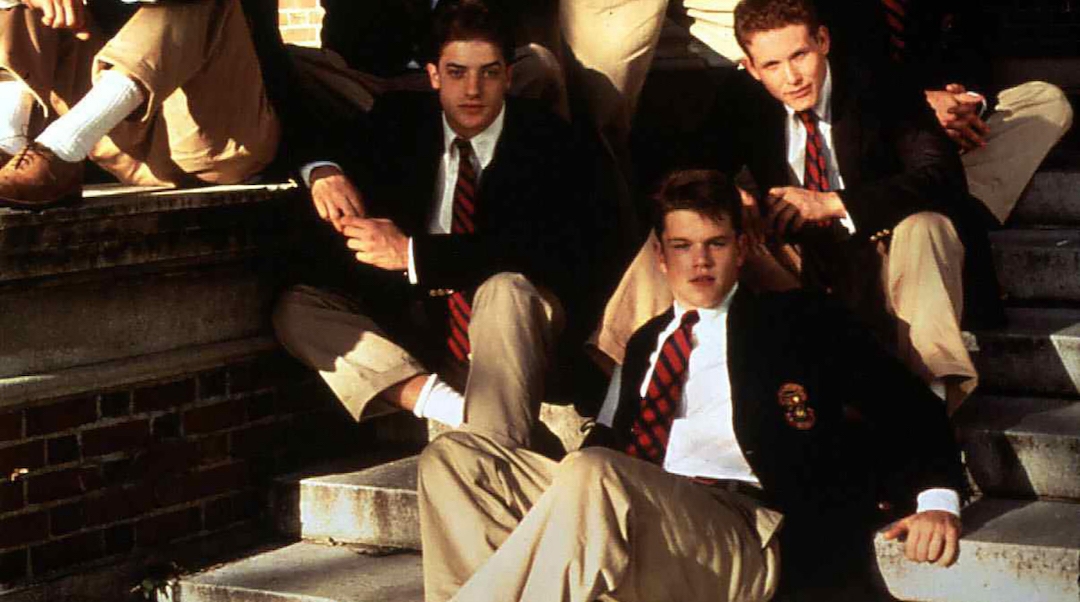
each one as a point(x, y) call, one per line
point(708, 314)
point(823, 108)
point(483, 144)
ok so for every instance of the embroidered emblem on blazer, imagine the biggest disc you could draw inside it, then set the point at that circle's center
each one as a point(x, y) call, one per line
point(797, 413)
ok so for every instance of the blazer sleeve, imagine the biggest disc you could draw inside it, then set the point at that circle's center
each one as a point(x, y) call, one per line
point(922, 166)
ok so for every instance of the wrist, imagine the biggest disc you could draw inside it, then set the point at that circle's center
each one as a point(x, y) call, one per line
point(324, 171)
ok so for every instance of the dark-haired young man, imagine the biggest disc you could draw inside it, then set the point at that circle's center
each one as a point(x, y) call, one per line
point(464, 249)
point(728, 462)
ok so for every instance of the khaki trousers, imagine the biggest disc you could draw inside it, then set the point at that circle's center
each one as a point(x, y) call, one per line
point(207, 115)
point(921, 275)
point(512, 333)
point(1027, 122)
point(500, 523)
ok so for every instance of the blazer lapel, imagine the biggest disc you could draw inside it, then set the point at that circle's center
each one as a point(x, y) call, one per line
point(847, 132)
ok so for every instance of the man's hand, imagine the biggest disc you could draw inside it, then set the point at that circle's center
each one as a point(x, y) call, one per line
point(932, 536)
point(63, 14)
point(334, 195)
point(752, 224)
point(791, 207)
point(377, 242)
point(957, 111)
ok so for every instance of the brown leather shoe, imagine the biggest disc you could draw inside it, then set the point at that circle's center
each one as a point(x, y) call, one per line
point(35, 178)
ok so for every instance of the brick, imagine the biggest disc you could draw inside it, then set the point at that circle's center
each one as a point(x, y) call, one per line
point(22, 529)
point(115, 438)
point(166, 427)
point(162, 458)
point(119, 539)
point(259, 440)
point(62, 416)
point(167, 527)
point(11, 496)
point(225, 511)
point(67, 518)
point(63, 484)
point(116, 404)
point(213, 448)
point(62, 449)
point(221, 479)
point(244, 378)
point(118, 471)
point(213, 384)
point(26, 455)
point(11, 426)
point(261, 406)
point(165, 396)
point(63, 553)
point(12, 566)
point(119, 503)
point(212, 418)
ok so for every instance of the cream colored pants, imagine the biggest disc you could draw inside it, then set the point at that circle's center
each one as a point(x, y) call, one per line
point(921, 273)
point(501, 523)
point(512, 333)
point(183, 55)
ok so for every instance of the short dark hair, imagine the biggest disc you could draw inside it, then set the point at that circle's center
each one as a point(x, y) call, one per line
point(756, 16)
point(704, 191)
point(464, 20)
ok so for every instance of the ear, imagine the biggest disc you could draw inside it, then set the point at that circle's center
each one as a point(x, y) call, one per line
point(658, 249)
point(433, 75)
point(823, 39)
point(742, 248)
point(748, 64)
point(509, 77)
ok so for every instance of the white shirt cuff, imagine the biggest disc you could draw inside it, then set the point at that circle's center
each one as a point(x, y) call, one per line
point(6, 4)
point(305, 171)
point(606, 416)
point(848, 223)
point(413, 279)
point(946, 500)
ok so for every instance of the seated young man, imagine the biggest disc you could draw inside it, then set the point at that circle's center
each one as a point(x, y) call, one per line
point(859, 174)
point(730, 464)
point(137, 90)
point(467, 215)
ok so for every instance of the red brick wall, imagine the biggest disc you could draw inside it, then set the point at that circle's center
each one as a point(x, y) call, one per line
point(300, 21)
point(117, 472)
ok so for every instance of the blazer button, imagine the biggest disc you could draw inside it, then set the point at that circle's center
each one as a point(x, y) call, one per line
point(884, 506)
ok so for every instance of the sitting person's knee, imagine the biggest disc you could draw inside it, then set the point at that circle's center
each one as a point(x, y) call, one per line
point(926, 224)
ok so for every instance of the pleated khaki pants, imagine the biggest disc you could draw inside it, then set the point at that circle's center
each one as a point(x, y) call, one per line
point(502, 523)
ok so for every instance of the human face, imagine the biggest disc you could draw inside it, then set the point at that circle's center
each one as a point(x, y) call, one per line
point(472, 79)
point(790, 63)
point(700, 257)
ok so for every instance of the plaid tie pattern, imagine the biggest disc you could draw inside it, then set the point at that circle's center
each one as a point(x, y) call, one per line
point(653, 424)
point(896, 18)
point(457, 340)
point(816, 174)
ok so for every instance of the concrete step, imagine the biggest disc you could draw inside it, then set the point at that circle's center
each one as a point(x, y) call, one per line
point(307, 572)
point(1021, 446)
point(1038, 264)
point(1037, 354)
point(1012, 551)
point(1051, 198)
point(373, 506)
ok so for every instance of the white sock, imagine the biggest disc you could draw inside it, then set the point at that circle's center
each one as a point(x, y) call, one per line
point(938, 387)
point(112, 98)
point(437, 401)
point(16, 105)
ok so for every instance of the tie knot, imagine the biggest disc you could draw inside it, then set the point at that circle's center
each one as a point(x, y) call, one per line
point(690, 318)
point(808, 117)
point(463, 146)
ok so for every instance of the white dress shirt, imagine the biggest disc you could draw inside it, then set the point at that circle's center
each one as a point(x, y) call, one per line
point(796, 144)
point(702, 439)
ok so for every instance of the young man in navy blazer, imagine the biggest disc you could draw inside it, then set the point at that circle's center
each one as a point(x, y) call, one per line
point(754, 441)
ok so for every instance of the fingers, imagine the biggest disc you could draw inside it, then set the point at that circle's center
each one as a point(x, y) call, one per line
point(48, 13)
point(897, 529)
point(784, 219)
point(952, 548)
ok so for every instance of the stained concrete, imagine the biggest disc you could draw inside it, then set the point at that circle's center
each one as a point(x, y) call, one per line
point(1038, 264)
point(1037, 354)
point(1049, 199)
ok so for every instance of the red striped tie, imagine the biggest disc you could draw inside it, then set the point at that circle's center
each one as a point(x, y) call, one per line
point(896, 18)
point(462, 223)
point(653, 424)
point(816, 174)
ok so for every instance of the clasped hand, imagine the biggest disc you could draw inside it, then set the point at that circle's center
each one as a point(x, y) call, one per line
point(957, 111)
point(377, 242)
point(63, 14)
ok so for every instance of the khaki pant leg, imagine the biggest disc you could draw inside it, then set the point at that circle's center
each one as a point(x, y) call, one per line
point(207, 114)
point(924, 287)
point(53, 65)
point(617, 528)
point(326, 332)
point(512, 334)
point(1027, 121)
point(472, 493)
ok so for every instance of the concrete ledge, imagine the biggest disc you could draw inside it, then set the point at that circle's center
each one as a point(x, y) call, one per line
point(1039, 264)
point(1038, 354)
point(1050, 199)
